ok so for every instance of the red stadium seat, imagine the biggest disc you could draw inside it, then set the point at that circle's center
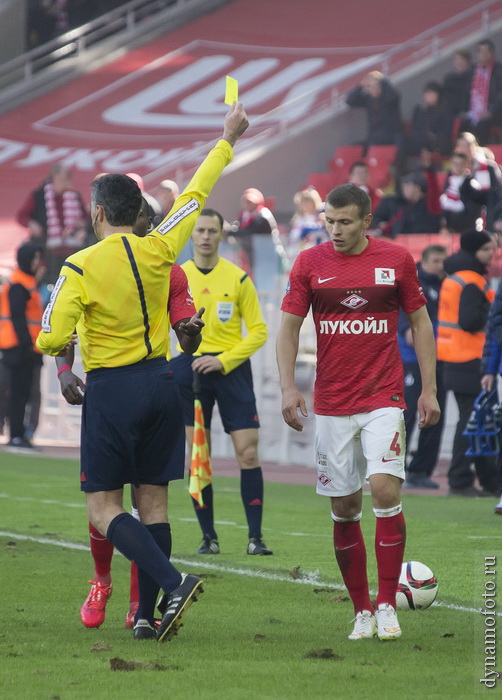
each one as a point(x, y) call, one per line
point(416, 242)
point(322, 182)
point(441, 179)
point(343, 158)
point(379, 159)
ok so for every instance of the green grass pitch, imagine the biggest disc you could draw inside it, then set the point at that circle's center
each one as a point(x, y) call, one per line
point(256, 632)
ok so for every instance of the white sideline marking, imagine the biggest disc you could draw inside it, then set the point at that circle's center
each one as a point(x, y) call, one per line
point(309, 578)
point(48, 501)
point(484, 537)
point(45, 540)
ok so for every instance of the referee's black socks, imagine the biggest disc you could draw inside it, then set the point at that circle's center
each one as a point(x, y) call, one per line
point(252, 498)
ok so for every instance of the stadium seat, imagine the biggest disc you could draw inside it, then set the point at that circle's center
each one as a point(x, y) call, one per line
point(322, 182)
point(343, 158)
point(441, 178)
point(455, 129)
point(379, 159)
point(416, 242)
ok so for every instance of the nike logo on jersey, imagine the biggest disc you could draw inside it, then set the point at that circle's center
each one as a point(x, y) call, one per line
point(389, 460)
point(325, 280)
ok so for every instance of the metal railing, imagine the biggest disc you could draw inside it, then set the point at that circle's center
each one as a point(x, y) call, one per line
point(130, 18)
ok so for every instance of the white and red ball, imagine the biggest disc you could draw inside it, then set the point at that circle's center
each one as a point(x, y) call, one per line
point(418, 587)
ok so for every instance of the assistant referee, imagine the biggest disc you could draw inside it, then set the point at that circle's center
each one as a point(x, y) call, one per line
point(229, 298)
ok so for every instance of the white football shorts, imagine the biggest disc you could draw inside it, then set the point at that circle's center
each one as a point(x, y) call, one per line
point(349, 449)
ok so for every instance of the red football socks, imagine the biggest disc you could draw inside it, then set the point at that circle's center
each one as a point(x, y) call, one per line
point(102, 553)
point(134, 589)
point(390, 540)
point(350, 552)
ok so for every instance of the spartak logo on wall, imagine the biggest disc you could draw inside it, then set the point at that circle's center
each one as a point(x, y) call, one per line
point(162, 111)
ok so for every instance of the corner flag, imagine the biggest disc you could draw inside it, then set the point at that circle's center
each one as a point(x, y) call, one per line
point(200, 466)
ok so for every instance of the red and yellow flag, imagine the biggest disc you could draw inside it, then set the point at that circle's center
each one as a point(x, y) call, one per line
point(200, 467)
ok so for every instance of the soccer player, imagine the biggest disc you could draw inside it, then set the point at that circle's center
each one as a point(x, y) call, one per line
point(187, 324)
point(229, 297)
point(355, 285)
point(115, 294)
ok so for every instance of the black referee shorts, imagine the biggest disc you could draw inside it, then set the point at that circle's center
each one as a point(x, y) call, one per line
point(132, 427)
point(233, 392)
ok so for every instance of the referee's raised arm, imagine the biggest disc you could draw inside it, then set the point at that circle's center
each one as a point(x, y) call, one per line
point(177, 226)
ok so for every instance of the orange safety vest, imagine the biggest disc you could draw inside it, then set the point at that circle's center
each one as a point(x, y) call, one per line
point(34, 311)
point(453, 343)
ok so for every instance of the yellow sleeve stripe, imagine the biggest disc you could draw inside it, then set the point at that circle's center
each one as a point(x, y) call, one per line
point(141, 293)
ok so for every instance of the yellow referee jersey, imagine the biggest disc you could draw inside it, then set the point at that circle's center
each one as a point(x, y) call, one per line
point(229, 297)
point(115, 292)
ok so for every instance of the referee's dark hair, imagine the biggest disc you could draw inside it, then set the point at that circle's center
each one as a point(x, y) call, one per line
point(346, 195)
point(120, 198)
point(213, 212)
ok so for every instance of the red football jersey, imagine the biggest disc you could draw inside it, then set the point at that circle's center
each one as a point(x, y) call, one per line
point(355, 302)
point(180, 303)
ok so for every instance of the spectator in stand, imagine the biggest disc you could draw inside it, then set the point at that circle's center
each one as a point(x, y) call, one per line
point(20, 321)
point(464, 303)
point(381, 101)
point(415, 210)
point(360, 175)
point(154, 208)
point(485, 170)
point(307, 221)
point(46, 19)
point(462, 197)
point(484, 106)
point(456, 84)
point(165, 195)
point(56, 218)
point(431, 124)
point(419, 470)
point(254, 218)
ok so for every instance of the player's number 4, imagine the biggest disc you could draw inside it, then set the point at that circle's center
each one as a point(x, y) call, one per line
point(395, 447)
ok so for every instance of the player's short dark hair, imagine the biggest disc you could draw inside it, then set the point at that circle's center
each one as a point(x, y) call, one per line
point(434, 249)
point(212, 212)
point(120, 198)
point(348, 194)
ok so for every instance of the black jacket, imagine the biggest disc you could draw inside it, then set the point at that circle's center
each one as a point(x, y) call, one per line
point(384, 112)
point(494, 91)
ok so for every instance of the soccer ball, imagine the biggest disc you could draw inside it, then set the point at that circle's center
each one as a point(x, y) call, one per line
point(418, 587)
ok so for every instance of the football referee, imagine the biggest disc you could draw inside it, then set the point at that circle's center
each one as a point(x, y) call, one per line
point(229, 298)
point(115, 294)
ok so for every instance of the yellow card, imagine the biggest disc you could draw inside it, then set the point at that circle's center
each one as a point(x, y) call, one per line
point(231, 91)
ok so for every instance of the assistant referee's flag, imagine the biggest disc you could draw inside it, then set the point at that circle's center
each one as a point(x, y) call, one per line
point(200, 466)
